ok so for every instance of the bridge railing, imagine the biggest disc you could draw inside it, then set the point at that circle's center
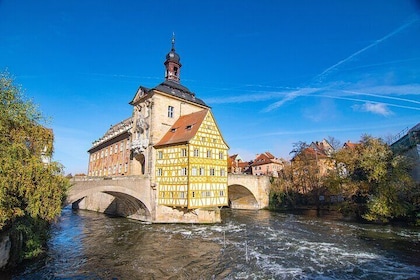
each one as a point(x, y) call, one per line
point(104, 178)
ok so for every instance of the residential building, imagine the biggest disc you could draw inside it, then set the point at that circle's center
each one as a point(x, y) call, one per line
point(350, 145)
point(237, 166)
point(310, 164)
point(266, 164)
point(170, 138)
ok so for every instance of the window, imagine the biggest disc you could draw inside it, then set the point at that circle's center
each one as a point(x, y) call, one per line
point(121, 146)
point(106, 152)
point(159, 172)
point(110, 151)
point(176, 71)
point(221, 155)
point(170, 111)
point(221, 193)
point(120, 168)
point(201, 173)
point(211, 171)
point(208, 153)
point(160, 155)
point(222, 172)
point(196, 152)
point(102, 154)
point(126, 167)
point(183, 152)
point(115, 148)
point(206, 194)
point(194, 171)
point(184, 171)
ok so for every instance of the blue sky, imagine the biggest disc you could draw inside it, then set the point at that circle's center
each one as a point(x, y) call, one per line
point(274, 72)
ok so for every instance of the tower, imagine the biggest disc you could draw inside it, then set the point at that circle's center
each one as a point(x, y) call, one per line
point(172, 64)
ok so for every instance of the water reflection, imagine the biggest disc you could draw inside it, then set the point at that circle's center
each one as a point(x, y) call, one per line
point(247, 245)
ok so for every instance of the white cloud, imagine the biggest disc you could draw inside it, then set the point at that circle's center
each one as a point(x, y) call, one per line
point(376, 108)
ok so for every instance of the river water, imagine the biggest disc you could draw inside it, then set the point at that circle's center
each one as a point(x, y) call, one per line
point(246, 245)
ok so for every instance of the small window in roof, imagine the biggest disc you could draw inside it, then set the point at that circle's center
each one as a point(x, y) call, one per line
point(189, 127)
point(173, 129)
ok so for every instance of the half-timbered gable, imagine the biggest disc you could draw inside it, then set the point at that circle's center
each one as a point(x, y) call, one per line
point(191, 163)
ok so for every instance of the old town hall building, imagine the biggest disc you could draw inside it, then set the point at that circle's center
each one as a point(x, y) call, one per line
point(171, 138)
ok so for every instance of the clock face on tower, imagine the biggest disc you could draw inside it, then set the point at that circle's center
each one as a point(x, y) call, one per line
point(171, 55)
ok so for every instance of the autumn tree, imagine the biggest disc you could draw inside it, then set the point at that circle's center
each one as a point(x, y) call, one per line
point(32, 188)
point(283, 193)
point(373, 173)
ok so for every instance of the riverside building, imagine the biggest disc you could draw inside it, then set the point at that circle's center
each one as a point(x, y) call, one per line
point(172, 139)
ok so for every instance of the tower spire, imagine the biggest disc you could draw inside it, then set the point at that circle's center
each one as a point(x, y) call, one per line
point(172, 64)
point(173, 41)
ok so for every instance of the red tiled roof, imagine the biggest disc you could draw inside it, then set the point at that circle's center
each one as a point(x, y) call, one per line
point(233, 157)
point(243, 164)
point(269, 155)
point(264, 158)
point(183, 130)
point(350, 145)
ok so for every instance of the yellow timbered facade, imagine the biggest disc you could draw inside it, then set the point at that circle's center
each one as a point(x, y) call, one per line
point(191, 163)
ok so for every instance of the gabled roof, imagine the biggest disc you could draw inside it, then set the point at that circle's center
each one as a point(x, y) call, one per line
point(323, 147)
point(351, 145)
point(265, 158)
point(140, 93)
point(184, 129)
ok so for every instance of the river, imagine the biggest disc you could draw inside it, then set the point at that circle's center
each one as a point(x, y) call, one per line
point(246, 245)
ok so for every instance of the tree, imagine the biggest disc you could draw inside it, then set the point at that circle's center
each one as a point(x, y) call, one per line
point(375, 175)
point(335, 143)
point(283, 192)
point(31, 190)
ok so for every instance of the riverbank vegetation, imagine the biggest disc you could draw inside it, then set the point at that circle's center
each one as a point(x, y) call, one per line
point(364, 180)
point(32, 187)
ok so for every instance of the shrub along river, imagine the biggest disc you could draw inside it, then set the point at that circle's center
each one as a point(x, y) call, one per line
point(246, 245)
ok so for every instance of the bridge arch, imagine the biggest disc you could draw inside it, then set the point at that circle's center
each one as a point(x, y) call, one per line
point(241, 197)
point(248, 191)
point(111, 199)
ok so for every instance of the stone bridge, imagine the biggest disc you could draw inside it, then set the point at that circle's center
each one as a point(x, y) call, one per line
point(248, 191)
point(136, 198)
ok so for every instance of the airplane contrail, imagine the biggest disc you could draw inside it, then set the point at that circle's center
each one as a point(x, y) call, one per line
point(320, 76)
point(386, 37)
